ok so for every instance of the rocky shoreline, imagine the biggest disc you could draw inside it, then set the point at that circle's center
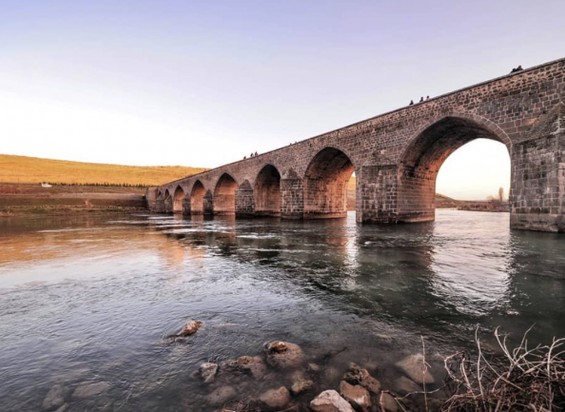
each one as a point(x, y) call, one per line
point(283, 377)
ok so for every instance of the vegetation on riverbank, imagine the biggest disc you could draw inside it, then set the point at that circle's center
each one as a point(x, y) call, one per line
point(528, 379)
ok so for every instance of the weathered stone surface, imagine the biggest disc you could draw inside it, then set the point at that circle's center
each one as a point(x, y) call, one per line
point(284, 355)
point(55, 397)
point(396, 157)
point(330, 375)
point(388, 403)
point(90, 389)
point(63, 408)
point(313, 367)
point(247, 365)
point(208, 371)
point(301, 385)
point(404, 385)
point(356, 395)
point(221, 395)
point(360, 376)
point(275, 398)
point(416, 368)
point(330, 401)
point(191, 327)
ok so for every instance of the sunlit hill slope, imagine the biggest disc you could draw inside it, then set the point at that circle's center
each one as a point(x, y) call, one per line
point(23, 169)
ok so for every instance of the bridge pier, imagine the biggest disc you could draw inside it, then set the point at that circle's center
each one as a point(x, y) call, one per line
point(377, 194)
point(292, 198)
point(208, 203)
point(244, 201)
point(537, 195)
point(186, 205)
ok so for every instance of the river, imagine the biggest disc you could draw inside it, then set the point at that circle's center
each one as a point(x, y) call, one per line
point(92, 300)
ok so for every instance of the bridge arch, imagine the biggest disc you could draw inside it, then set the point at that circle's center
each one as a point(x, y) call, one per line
point(224, 195)
point(167, 202)
point(424, 155)
point(267, 192)
point(178, 198)
point(197, 198)
point(325, 184)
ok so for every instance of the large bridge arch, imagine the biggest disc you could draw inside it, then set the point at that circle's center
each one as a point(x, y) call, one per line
point(224, 195)
point(325, 184)
point(267, 191)
point(422, 158)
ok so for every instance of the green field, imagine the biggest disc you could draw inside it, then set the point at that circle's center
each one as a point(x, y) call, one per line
point(24, 170)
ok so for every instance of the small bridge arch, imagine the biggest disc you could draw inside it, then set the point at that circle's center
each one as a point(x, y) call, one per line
point(325, 184)
point(178, 199)
point(267, 192)
point(197, 198)
point(224, 195)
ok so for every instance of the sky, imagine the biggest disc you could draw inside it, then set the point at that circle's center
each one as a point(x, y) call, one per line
point(202, 83)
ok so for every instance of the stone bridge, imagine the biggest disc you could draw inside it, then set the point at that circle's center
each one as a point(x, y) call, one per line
point(396, 157)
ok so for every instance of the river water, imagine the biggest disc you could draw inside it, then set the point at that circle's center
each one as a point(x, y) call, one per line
point(92, 300)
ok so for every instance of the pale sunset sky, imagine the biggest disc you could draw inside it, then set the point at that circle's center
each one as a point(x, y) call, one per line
point(203, 83)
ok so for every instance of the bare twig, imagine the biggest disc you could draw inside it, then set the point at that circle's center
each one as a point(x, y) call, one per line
point(532, 380)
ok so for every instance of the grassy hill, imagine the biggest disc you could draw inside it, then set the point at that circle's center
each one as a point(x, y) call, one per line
point(23, 169)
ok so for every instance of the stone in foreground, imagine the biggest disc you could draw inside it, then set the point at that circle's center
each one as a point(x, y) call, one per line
point(330, 401)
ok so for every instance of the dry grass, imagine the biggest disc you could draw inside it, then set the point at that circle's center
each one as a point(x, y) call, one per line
point(528, 379)
point(22, 169)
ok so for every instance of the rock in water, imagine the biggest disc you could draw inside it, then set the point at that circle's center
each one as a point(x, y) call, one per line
point(330, 401)
point(416, 368)
point(275, 398)
point(359, 376)
point(284, 355)
point(247, 365)
point(221, 395)
point(388, 402)
point(54, 398)
point(301, 385)
point(190, 328)
point(356, 395)
point(405, 385)
point(91, 389)
point(208, 371)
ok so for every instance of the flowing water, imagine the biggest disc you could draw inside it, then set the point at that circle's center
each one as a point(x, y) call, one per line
point(93, 300)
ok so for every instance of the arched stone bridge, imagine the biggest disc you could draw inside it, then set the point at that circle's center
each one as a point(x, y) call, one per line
point(396, 157)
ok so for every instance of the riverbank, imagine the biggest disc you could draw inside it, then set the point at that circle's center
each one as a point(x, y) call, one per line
point(25, 199)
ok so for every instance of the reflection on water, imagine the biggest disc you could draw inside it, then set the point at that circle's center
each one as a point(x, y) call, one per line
point(89, 299)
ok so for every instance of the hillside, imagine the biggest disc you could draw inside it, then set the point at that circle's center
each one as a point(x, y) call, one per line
point(23, 169)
